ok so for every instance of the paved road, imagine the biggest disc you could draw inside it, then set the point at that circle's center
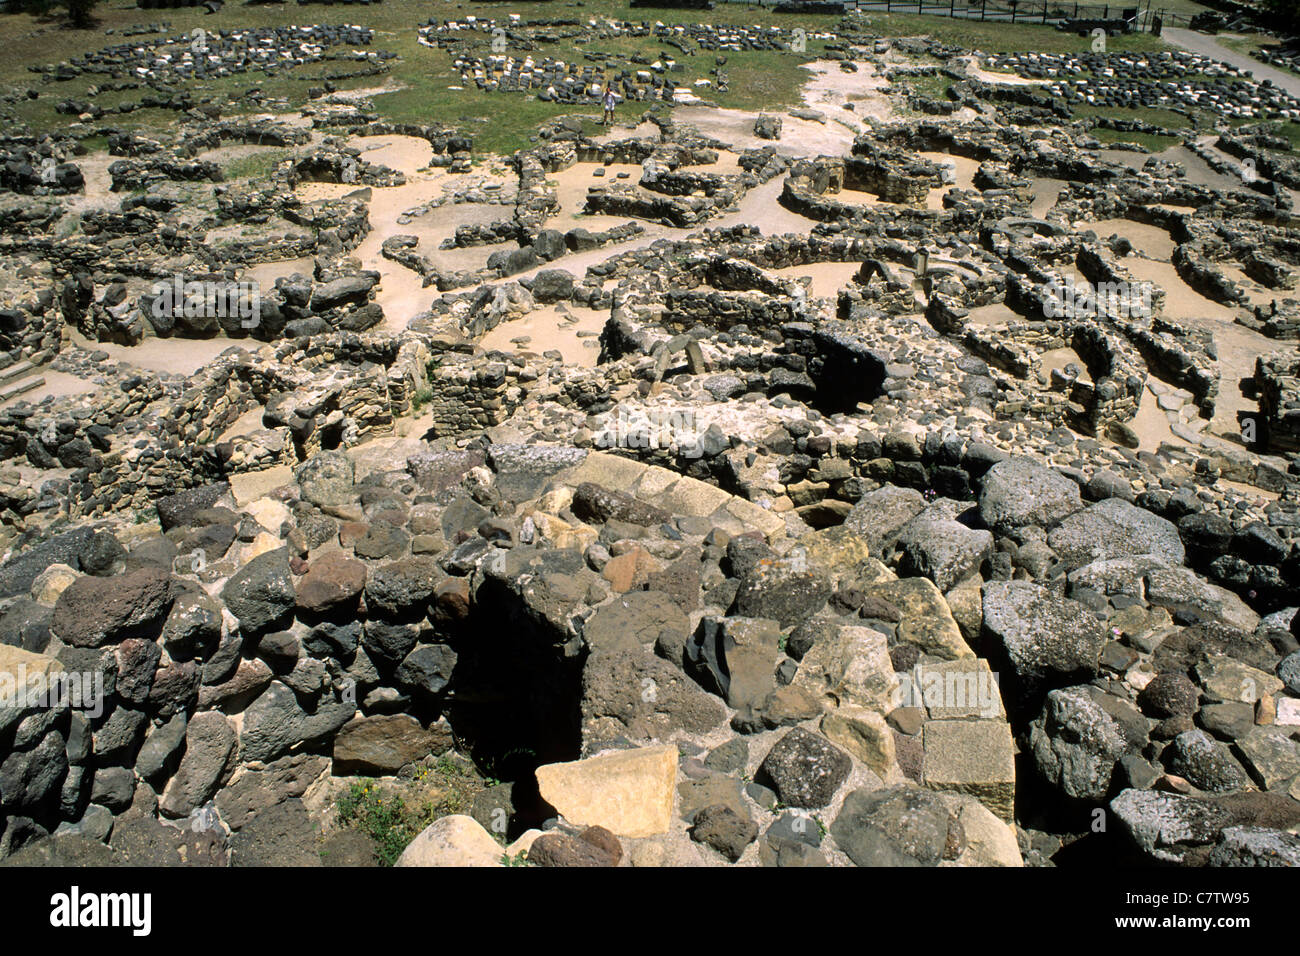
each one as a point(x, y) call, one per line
point(1209, 46)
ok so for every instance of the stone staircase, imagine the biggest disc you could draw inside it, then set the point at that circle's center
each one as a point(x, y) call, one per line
point(18, 379)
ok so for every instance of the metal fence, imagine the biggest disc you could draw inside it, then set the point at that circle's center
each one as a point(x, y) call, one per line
point(1141, 17)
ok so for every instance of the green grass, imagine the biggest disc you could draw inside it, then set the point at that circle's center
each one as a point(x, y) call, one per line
point(386, 819)
point(256, 164)
point(421, 77)
point(936, 87)
point(1154, 116)
point(1288, 131)
point(1003, 37)
point(1151, 142)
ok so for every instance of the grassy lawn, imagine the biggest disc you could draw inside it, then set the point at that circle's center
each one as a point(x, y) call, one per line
point(1003, 37)
point(1151, 142)
point(419, 87)
point(255, 164)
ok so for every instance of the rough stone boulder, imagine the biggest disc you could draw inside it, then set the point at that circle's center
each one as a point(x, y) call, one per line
point(628, 792)
point(879, 515)
point(805, 769)
point(384, 743)
point(261, 593)
point(94, 611)
point(1045, 641)
point(1113, 528)
point(1019, 491)
point(1080, 736)
point(900, 826)
point(943, 550)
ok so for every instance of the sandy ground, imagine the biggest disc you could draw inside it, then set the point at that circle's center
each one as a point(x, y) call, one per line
point(989, 76)
point(830, 88)
point(827, 277)
point(1046, 193)
point(179, 356)
point(963, 176)
point(553, 328)
point(97, 193)
point(400, 291)
point(799, 137)
point(1152, 242)
point(245, 424)
point(57, 385)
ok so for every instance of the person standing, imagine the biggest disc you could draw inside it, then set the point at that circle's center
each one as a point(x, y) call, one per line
point(610, 102)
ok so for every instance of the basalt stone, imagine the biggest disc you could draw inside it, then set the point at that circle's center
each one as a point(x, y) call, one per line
point(26, 624)
point(333, 583)
point(176, 511)
point(725, 830)
point(879, 515)
point(1204, 762)
point(137, 660)
point(29, 778)
point(261, 594)
point(277, 723)
point(93, 611)
point(282, 835)
point(1168, 694)
point(103, 556)
point(427, 669)
point(805, 769)
point(18, 573)
point(1019, 491)
point(1045, 640)
point(161, 751)
point(776, 590)
point(897, 827)
point(523, 470)
point(942, 550)
point(113, 788)
point(634, 618)
point(1114, 529)
point(636, 694)
point(593, 503)
point(193, 627)
point(383, 744)
point(1256, 846)
point(117, 739)
point(736, 658)
point(1080, 737)
point(326, 479)
point(175, 688)
point(594, 847)
point(1168, 827)
point(403, 589)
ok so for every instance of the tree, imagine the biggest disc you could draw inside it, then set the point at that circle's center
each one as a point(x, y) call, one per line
point(1285, 14)
point(79, 12)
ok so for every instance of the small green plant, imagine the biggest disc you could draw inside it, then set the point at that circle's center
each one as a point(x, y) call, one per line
point(519, 859)
point(385, 818)
point(421, 398)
